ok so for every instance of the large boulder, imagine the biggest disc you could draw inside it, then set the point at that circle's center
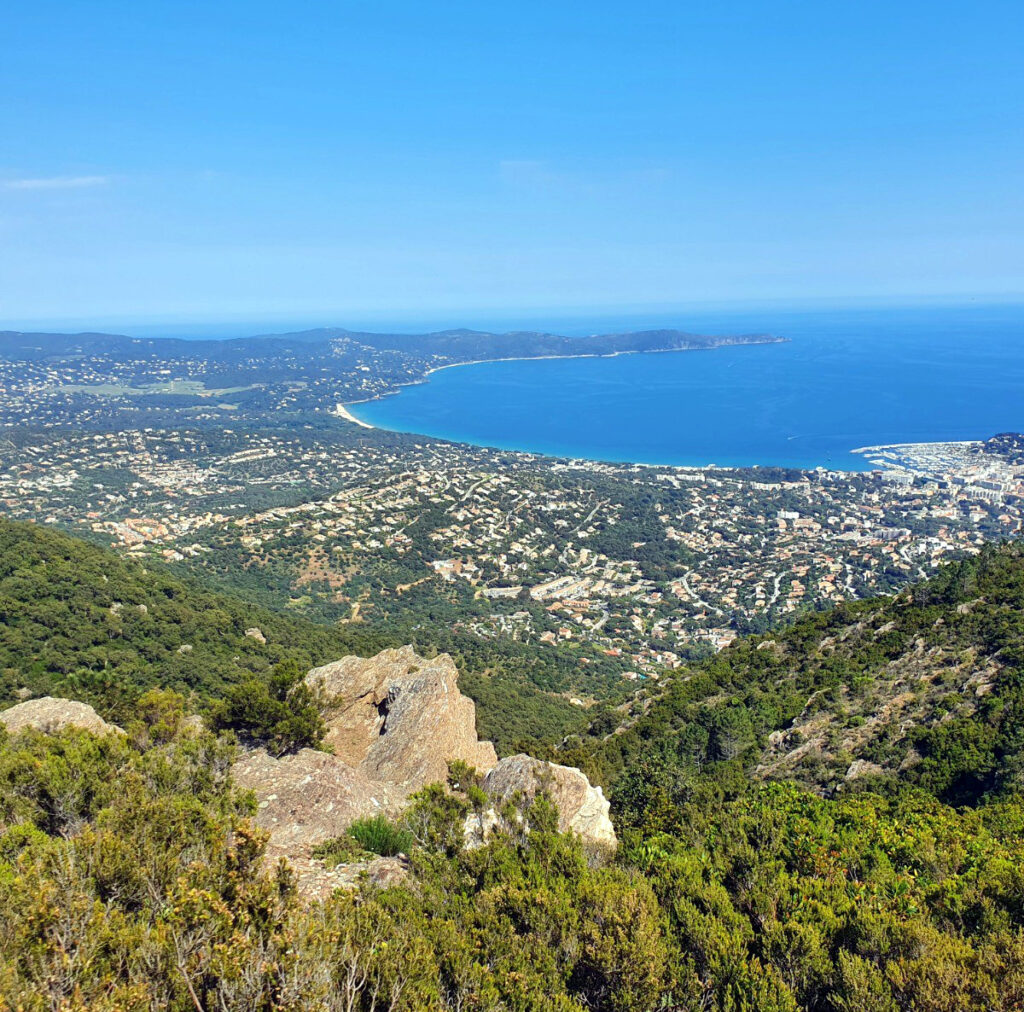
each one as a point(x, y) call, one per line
point(394, 722)
point(399, 717)
point(582, 808)
point(309, 797)
point(50, 714)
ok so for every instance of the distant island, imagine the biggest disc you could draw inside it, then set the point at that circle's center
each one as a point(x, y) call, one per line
point(96, 379)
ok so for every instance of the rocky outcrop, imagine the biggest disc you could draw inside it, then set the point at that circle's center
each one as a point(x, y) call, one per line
point(394, 722)
point(307, 798)
point(315, 881)
point(863, 768)
point(50, 714)
point(400, 718)
point(583, 808)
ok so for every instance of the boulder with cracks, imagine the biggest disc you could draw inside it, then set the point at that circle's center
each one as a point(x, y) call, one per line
point(399, 717)
point(394, 722)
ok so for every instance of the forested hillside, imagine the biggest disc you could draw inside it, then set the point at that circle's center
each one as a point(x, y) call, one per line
point(922, 688)
point(83, 622)
point(80, 621)
point(131, 878)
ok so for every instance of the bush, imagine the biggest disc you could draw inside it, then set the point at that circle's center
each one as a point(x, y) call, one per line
point(340, 850)
point(281, 712)
point(379, 836)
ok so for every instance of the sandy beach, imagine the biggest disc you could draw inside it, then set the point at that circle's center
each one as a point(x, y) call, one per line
point(343, 412)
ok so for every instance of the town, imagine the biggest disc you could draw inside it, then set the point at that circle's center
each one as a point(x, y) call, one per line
point(643, 566)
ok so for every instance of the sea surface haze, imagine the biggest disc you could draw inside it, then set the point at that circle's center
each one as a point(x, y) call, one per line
point(845, 379)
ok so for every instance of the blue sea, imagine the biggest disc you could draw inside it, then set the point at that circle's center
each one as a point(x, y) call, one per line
point(847, 378)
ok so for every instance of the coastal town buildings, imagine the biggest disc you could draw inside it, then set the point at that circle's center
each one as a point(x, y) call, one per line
point(655, 563)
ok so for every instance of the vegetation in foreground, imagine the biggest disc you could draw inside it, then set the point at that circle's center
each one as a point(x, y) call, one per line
point(131, 879)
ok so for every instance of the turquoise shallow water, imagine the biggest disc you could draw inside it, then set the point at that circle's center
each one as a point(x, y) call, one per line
point(845, 379)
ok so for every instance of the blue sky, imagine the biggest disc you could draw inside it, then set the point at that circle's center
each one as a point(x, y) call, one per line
point(344, 161)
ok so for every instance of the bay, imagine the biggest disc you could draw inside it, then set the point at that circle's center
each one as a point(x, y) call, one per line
point(846, 378)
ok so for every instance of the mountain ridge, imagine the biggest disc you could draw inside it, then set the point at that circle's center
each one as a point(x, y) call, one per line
point(449, 341)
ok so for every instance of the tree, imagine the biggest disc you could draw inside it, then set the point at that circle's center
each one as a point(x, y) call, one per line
point(280, 712)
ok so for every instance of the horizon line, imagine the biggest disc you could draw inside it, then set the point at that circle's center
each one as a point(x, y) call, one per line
point(307, 320)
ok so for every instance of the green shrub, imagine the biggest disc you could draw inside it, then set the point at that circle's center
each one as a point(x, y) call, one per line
point(281, 712)
point(379, 836)
point(340, 850)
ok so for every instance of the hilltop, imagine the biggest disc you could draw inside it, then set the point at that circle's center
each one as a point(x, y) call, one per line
point(456, 344)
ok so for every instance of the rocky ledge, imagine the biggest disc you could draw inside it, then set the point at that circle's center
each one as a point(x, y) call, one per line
point(394, 722)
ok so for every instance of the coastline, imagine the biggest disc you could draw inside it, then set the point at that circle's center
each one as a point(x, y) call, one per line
point(343, 412)
point(885, 450)
point(342, 409)
point(610, 354)
point(911, 446)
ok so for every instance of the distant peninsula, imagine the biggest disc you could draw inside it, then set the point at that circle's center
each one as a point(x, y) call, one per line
point(463, 346)
point(458, 345)
point(471, 347)
point(103, 380)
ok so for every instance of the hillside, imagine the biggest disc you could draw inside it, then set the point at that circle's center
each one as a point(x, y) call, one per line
point(80, 621)
point(84, 622)
point(922, 688)
point(132, 875)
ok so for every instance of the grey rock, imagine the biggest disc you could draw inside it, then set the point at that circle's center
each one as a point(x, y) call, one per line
point(583, 808)
point(863, 768)
point(51, 714)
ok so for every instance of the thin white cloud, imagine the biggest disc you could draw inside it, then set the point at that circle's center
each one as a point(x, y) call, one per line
point(55, 183)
